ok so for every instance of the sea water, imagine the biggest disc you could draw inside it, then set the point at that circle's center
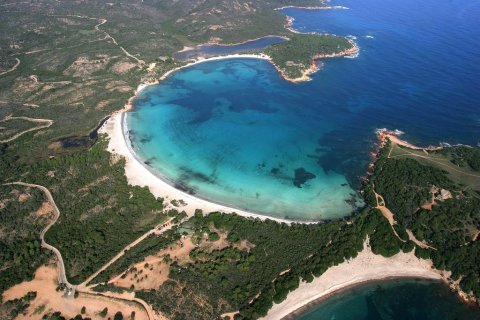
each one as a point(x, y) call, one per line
point(212, 50)
point(233, 131)
point(392, 300)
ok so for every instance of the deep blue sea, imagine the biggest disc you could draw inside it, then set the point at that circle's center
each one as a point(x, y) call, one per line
point(235, 132)
point(394, 300)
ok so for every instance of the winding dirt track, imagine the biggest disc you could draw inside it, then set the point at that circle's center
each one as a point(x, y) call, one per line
point(12, 68)
point(167, 225)
point(62, 278)
point(47, 124)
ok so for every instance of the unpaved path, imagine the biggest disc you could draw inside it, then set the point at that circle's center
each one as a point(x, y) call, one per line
point(166, 226)
point(419, 243)
point(437, 162)
point(62, 278)
point(12, 68)
point(386, 212)
point(128, 54)
point(47, 123)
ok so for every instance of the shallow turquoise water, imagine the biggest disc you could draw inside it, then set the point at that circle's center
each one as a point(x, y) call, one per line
point(392, 300)
point(235, 132)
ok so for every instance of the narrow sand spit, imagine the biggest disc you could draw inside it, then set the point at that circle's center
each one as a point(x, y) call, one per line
point(365, 267)
point(138, 174)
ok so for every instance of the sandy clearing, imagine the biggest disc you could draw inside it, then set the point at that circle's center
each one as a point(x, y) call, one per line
point(152, 272)
point(44, 210)
point(365, 267)
point(164, 226)
point(419, 243)
point(45, 284)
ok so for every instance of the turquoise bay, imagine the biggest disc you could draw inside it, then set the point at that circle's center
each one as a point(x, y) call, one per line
point(233, 131)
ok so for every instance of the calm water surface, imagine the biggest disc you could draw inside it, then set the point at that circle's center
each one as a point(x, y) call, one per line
point(211, 50)
point(394, 300)
point(235, 132)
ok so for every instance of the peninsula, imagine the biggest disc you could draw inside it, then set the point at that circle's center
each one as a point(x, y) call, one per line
point(87, 231)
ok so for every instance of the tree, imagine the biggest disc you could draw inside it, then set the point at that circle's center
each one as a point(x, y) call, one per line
point(103, 313)
point(118, 316)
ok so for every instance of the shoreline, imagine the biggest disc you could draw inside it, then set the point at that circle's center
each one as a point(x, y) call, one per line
point(216, 43)
point(138, 174)
point(365, 268)
point(312, 304)
point(312, 8)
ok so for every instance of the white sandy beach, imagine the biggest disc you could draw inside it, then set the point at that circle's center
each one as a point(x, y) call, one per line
point(365, 267)
point(138, 174)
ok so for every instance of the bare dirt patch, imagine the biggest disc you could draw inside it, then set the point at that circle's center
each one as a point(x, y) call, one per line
point(45, 284)
point(153, 271)
point(44, 210)
point(123, 67)
point(102, 104)
point(24, 197)
point(85, 66)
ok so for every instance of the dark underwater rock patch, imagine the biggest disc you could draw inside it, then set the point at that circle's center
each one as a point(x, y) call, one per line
point(302, 176)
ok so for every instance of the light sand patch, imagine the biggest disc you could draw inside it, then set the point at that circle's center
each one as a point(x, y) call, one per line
point(153, 271)
point(85, 66)
point(475, 235)
point(123, 67)
point(102, 104)
point(220, 244)
point(229, 315)
point(365, 267)
point(44, 210)
point(120, 86)
point(244, 245)
point(55, 145)
point(24, 197)
point(69, 22)
point(284, 272)
point(419, 243)
point(45, 283)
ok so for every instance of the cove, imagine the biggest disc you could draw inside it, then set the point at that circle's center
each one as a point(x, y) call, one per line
point(212, 50)
point(233, 131)
point(393, 299)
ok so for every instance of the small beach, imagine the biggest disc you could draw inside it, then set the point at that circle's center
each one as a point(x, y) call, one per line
point(138, 174)
point(366, 267)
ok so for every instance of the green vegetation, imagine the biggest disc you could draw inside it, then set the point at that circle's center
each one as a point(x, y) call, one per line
point(100, 212)
point(103, 313)
point(463, 156)
point(228, 279)
point(297, 54)
point(13, 308)
point(149, 246)
point(20, 251)
point(74, 73)
point(251, 279)
point(449, 227)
